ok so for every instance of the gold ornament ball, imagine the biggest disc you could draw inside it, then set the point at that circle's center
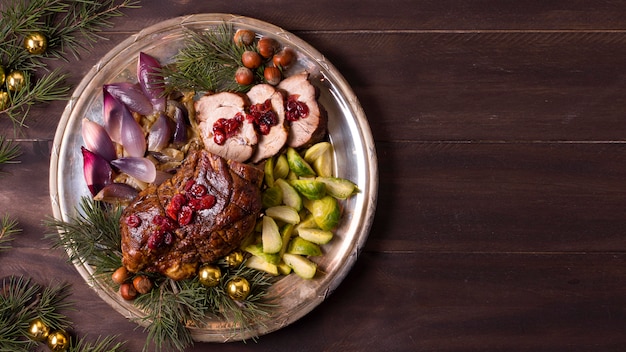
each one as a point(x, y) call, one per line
point(36, 43)
point(234, 259)
point(16, 80)
point(58, 341)
point(3, 75)
point(238, 288)
point(4, 100)
point(209, 275)
point(38, 331)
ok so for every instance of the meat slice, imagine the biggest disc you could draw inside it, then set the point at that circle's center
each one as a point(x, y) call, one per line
point(311, 127)
point(220, 108)
point(270, 143)
point(224, 200)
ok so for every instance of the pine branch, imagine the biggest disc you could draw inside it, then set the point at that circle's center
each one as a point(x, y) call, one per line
point(22, 301)
point(9, 151)
point(93, 236)
point(207, 62)
point(48, 88)
point(8, 229)
point(106, 344)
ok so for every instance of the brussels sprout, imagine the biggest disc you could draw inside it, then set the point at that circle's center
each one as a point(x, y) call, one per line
point(338, 187)
point(307, 222)
point(272, 241)
point(258, 263)
point(311, 189)
point(272, 197)
point(281, 167)
point(299, 245)
point(318, 236)
point(284, 269)
point(298, 165)
point(256, 249)
point(323, 165)
point(285, 233)
point(290, 196)
point(315, 151)
point(301, 266)
point(326, 212)
point(283, 213)
point(269, 172)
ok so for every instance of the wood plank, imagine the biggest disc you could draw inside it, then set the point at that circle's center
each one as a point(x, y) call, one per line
point(500, 197)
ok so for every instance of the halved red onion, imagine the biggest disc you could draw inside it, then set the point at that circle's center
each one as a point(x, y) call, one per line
point(151, 80)
point(180, 131)
point(160, 133)
point(97, 139)
point(112, 113)
point(140, 168)
point(96, 170)
point(131, 95)
point(131, 135)
point(116, 193)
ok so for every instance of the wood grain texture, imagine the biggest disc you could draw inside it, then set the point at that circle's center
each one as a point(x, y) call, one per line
point(500, 133)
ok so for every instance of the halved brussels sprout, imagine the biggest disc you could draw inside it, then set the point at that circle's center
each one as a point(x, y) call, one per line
point(315, 151)
point(314, 235)
point(272, 241)
point(258, 263)
point(256, 249)
point(272, 197)
point(283, 213)
point(301, 266)
point(281, 167)
point(326, 212)
point(311, 189)
point(298, 165)
point(299, 245)
point(338, 187)
point(290, 196)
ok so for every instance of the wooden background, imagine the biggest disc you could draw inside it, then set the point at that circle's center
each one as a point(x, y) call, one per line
point(500, 128)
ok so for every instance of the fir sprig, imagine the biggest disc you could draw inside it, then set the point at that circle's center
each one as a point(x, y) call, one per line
point(102, 344)
point(69, 26)
point(9, 151)
point(9, 227)
point(93, 238)
point(207, 62)
point(22, 301)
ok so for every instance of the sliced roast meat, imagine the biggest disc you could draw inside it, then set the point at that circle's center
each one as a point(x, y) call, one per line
point(307, 119)
point(267, 107)
point(223, 126)
point(198, 216)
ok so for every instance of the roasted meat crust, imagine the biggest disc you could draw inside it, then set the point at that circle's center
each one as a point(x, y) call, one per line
point(213, 232)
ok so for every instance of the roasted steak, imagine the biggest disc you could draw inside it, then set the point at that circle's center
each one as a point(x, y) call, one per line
point(199, 215)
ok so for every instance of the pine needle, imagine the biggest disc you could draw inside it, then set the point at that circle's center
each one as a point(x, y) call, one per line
point(8, 229)
point(9, 151)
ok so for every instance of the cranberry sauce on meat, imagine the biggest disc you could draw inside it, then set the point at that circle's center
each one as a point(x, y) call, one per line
point(198, 216)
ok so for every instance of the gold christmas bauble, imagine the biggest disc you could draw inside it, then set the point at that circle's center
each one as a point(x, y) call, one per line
point(38, 331)
point(4, 100)
point(58, 341)
point(35, 43)
point(209, 275)
point(3, 75)
point(15, 81)
point(234, 259)
point(238, 288)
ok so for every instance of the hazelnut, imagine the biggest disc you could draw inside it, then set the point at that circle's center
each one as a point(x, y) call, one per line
point(267, 47)
point(284, 58)
point(142, 284)
point(127, 291)
point(244, 76)
point(251, 59)
point(272, 75)
point(244, 36)
point(120, 275)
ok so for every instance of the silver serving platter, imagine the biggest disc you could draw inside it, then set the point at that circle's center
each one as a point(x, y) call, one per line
point(355, 159)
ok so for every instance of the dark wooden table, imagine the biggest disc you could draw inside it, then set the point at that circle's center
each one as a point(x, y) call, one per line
point(500, 128)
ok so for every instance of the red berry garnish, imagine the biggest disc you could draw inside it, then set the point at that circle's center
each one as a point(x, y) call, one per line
point(198, 190)
point(173, 207)
point(185, 215)
point(133, 221)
